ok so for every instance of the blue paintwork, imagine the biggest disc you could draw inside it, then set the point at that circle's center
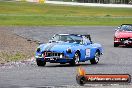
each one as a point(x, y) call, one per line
point(62, 47)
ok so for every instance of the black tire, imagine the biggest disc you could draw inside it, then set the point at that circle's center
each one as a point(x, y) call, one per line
point(62, 63)
point(76, 59)
point(116, 45)
point(41, 63)
point(81, 80)
point(128, 46)
point(96, 58)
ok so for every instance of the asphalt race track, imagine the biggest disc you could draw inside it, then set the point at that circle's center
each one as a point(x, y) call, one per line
point(115, 60)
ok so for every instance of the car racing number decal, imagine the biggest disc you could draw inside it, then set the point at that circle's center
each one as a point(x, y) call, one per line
point(87, 52)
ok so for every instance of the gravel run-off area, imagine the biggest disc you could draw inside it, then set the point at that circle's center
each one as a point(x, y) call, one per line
point(14, 47)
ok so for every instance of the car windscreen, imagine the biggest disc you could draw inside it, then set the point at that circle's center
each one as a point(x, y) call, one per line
point(67, 38)
point(126, 27)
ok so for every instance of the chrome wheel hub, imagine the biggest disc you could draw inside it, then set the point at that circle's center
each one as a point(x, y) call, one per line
point(77, 58)
point(97, 56)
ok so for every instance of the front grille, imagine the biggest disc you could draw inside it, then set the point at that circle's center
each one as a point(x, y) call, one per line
point(130, 39)
point(49, 54)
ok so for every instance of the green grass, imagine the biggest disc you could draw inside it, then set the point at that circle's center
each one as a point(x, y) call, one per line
point(12, 57)
point(33, 14)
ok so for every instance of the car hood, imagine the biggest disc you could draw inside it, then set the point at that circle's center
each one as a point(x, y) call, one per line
point(124, 34)
point(57, 47)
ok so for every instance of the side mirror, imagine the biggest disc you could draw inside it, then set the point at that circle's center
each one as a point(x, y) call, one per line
point(116, 29)
point(50, 41)
point(119, 27)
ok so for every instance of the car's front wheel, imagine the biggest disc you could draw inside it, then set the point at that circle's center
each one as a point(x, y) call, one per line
point(41, 63)
point(76, 59)
point(116, 45)
point(128, 46)
point(96, 58)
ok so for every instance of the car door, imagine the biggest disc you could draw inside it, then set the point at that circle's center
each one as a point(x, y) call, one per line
point(87, 46)
point(85, 51)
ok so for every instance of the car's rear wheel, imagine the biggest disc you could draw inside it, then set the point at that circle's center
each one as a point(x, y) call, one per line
point(41, 63)
point(76, 59)
point(96, 58)
point(116, 45)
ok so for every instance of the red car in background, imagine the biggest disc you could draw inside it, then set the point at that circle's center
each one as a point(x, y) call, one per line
point(123, 35)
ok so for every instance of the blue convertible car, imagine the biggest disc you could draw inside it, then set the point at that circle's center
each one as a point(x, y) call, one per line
point(68, 48)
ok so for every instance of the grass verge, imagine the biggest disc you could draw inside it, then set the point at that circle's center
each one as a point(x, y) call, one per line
point(6, 57)
point(32, 14)
point(62, 21)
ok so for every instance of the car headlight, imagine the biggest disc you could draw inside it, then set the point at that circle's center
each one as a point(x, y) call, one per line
point(69, 50)
point(61, 56)
point(39, 56)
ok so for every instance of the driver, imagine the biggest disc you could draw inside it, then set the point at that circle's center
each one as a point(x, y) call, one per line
point(85, 40)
